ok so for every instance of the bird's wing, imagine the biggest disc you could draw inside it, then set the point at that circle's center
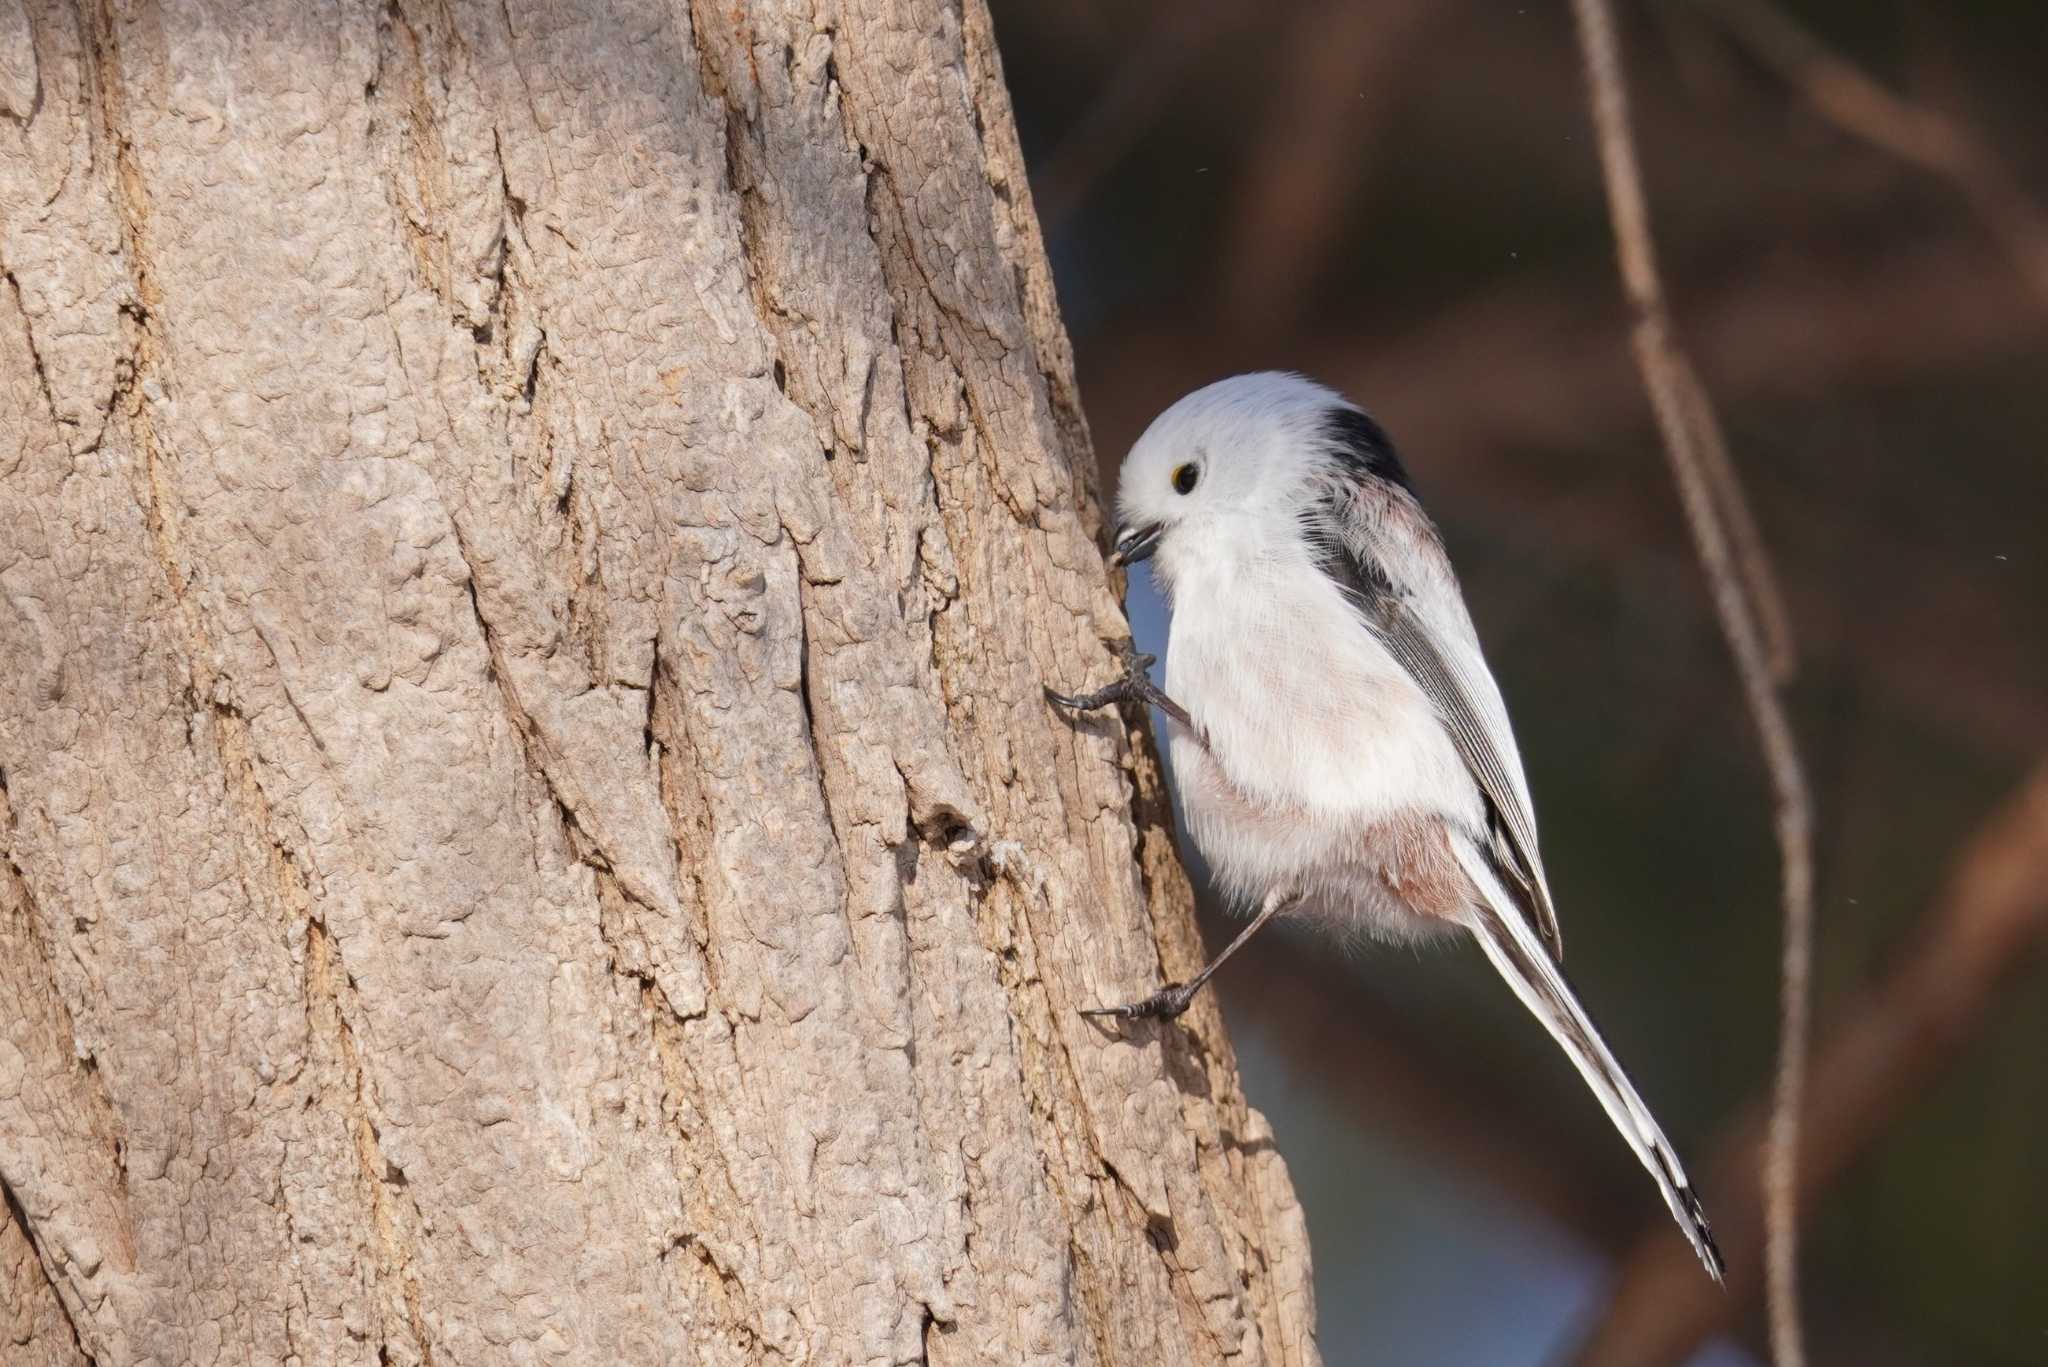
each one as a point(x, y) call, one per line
point(1514, 954)
point(1424, 626)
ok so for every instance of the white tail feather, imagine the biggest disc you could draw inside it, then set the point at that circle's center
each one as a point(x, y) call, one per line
point(1519, 956)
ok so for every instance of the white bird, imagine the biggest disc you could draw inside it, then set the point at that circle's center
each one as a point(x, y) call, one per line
point(1340, 746)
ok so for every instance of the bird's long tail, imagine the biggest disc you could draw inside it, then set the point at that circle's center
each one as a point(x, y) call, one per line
point(1511, 944)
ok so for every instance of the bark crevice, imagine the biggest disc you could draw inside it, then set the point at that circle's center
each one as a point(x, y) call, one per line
point(28, 333)
point(393, 1213)
point(538, 751)
point(21, 1221)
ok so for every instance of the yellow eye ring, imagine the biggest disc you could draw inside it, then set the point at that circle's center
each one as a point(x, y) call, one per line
point(1184, 478)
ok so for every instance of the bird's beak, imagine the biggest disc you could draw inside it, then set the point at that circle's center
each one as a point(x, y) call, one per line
point(1136, 543)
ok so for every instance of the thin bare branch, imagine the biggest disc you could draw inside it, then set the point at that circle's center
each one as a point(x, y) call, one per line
point(1889, 1044)
point(1529, 365)
point(1677, 398)
point(1752, 560)
point(1339, 77)
point(1127, 107)
point(1930, 139)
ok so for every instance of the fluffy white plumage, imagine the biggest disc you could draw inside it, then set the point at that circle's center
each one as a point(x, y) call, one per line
point(1299, 708)
point(1346, 748)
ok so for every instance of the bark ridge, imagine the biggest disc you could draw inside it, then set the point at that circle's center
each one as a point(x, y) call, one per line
point(530, 534)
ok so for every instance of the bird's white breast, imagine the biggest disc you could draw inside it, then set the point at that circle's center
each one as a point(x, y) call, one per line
point(1311, 733)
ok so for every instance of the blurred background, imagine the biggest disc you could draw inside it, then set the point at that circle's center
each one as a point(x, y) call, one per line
point(1401, 197)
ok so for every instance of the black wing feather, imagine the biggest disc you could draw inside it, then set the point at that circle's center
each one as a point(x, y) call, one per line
point(1384, 610)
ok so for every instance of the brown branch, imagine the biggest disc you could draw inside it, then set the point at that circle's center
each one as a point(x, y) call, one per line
point(1339, 76)
point(1891, 1041)
point(1127, 106)
point(1533, 365)
point(1678, 398)
point(1929, 139)
point(1752, 561)
point(1526, 365)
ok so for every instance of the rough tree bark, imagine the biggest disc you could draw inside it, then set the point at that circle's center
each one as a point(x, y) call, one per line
point(530, 535)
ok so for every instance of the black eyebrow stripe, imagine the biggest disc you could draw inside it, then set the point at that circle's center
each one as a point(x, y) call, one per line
point(1363, 448)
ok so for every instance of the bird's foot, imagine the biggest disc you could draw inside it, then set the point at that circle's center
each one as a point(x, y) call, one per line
point(1135, 685)
point(1165, 1004)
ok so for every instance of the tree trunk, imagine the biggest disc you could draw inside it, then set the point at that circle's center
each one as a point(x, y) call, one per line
point(530, 535)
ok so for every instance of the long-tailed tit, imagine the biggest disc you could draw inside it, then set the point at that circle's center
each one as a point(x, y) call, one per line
point(1340, 746)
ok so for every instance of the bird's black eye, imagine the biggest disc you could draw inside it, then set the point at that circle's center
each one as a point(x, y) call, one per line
point(1184, 477)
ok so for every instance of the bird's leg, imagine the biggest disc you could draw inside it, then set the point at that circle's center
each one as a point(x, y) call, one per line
point(1135, 685)
point(1169, 1001)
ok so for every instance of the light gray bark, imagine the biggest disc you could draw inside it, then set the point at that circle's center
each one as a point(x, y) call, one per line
point(530, 535)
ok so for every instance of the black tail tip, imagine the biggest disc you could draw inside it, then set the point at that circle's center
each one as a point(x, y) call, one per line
point(1702, 1236)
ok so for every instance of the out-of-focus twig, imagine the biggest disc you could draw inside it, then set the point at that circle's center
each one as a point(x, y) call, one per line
point(1752, 561)
point(1128, 105)
point(1339, 73)
point(1676, 399)
point(1937, 143)
point(1530, 365)
point(1891, 1040)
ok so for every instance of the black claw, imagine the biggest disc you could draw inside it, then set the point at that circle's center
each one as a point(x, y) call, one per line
point(1088, 702)
point(1167, 1004)
point(1134, 686)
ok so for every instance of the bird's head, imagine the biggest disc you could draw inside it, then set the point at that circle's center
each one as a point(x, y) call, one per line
point(1236, 463)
